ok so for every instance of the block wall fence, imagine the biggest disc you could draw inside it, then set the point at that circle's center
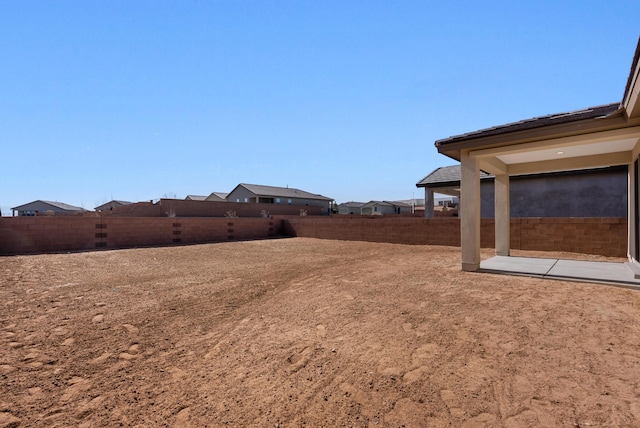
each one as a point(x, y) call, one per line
point(27, 235)
point(605, 236)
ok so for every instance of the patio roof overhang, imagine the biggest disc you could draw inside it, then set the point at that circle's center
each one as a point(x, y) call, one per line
point(586, 144)
point(592, 143)
point(631, 98)
point(594, 150)
point(595, 137)
point(599, 136)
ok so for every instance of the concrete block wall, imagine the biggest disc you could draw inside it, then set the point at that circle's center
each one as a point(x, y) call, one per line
point(399, 230)
point(20, 235)
point(601, 236)
point(24, 235)
point(27, 235)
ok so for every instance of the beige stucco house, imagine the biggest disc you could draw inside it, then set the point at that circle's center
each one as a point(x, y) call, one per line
point(350, 208)
point(385, 208)
point(594, 137)
point(217, 196)
point(109, 206)
point(49, 208)
point(255, 193)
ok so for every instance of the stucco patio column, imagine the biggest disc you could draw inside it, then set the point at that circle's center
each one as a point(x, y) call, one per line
point(502, 215)
point(631, 212)
point(428, 203)
point(469, 212)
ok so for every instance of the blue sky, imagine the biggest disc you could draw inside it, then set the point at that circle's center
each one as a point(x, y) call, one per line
point(137, 100)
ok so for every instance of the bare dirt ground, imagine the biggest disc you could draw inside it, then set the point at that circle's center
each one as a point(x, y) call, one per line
point(303, 332)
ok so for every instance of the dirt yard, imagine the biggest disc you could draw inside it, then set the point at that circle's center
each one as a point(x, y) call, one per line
point(302, 332)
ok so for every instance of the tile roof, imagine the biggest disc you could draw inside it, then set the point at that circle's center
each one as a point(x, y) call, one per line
point(112, 202)
point(64, 206)
point(60, 205)
point(352, 204)
point(387, 203)
point(634, 65)
point(399, 203)
point(221, 195)
point(282, 192)
point(381, 203)
point(536, 122)
point(445, 175)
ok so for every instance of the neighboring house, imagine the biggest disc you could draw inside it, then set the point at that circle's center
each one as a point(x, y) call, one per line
point(417, 203)
point(217, 196)
point(40, 207)
point(385, 207)
point(401, 207)
point(595, 137)
point(446, 201)
point(596, 192)
point(109, 206)
point(445, 181)
point(254, 193)
point(351, 207)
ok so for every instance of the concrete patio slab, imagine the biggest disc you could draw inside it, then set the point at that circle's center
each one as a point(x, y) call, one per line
point(522, 265)
point(573, 270)
point(603, 271)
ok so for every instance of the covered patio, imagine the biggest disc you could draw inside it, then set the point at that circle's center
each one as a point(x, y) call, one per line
point(603, 272)
point(595, 137)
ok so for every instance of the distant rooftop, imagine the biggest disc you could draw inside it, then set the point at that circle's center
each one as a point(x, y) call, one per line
point(353, 204)
point(221, 195)
point(196, 197)
point(445, 175)
point(281, 192)
point(60, 205)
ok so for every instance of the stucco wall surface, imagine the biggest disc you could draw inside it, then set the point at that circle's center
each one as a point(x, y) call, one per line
point(589, 193)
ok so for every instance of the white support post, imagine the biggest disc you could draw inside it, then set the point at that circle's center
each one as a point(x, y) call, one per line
point(631, 213)
point(469, 212)
point(502, 215)
point(428, 203)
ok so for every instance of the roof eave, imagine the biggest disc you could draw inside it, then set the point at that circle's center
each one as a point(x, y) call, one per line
point(453, 148)
point(631, 97)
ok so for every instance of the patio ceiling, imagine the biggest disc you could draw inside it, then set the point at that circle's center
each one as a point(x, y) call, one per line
point(600, 149)
point(449, 191)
